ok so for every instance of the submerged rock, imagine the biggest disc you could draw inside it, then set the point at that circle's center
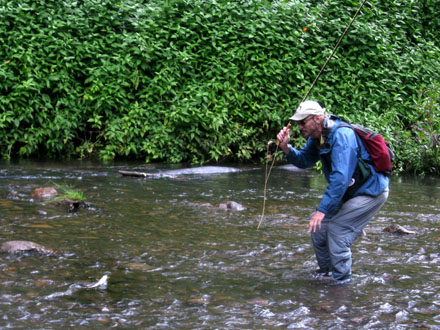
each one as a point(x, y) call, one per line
point(397, 229)
point(67, 198)
point(101, 284)
point(231, 205)
point(24, 246)
point(47, 192)
point(73, 205)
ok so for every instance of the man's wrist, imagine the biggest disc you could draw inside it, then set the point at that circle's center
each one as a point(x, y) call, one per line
point(286, 149)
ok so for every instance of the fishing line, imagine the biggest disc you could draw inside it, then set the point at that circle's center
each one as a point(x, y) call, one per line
point(334, 50)
point(267, 174)
point(273, 155)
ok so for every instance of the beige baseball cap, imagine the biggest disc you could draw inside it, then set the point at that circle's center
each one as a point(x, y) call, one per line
point(307, 108)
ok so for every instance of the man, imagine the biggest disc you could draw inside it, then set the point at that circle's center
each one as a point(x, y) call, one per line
point(338, 219)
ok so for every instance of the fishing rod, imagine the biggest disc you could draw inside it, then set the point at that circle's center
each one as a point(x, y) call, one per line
point(272, 147)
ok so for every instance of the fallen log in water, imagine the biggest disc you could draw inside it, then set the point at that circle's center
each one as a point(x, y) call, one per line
point(129, 173)
point(203, 170)
point(145, 175)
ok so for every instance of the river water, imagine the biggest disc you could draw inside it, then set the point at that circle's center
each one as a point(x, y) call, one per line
point(177, 261)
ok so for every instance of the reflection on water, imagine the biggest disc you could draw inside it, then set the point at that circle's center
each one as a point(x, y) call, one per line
point(176, 261)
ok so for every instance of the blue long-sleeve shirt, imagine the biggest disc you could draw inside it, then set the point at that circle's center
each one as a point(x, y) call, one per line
point(339, 157)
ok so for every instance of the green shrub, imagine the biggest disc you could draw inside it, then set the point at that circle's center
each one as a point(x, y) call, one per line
point(200, 81)
point(66, 192)
point(419, 143)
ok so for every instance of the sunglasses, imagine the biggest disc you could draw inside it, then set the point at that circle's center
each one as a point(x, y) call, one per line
point(304, 121)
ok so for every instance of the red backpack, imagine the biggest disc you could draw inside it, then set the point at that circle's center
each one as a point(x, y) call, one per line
point(380, 150)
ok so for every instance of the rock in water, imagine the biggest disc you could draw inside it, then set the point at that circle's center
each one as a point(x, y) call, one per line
point(397, 229)
point(101, 284)
point(231, 205)
point(24, 246)
point(47, 192)
point(73, 205)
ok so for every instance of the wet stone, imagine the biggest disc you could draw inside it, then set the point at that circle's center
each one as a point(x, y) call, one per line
point(24, 247)
point(397, 229)
point(73, 205)
point(231, 205)
point(45, 192)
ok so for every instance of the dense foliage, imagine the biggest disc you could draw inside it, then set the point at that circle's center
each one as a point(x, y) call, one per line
point(199, 81)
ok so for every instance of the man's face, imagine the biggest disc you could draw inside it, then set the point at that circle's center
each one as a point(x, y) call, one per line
point(307, 126)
